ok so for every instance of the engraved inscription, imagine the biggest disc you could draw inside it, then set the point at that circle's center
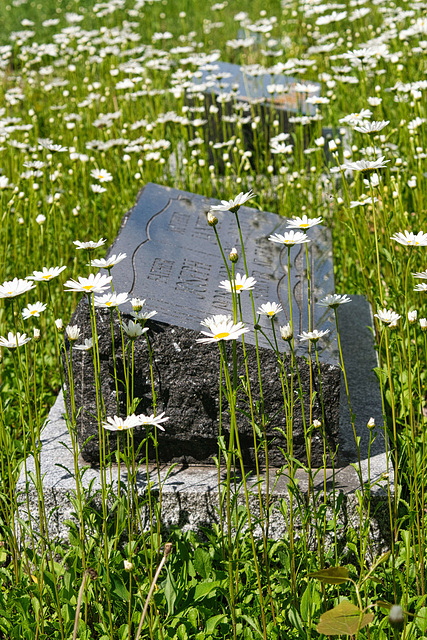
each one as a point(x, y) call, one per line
point(193, 278)
point(161, 270)
point(179, 221)
point(202, 230)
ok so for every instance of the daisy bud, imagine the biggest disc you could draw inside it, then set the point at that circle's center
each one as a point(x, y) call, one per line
point(234, 256)
point(371, 423)
point(128, 566)
point(73, 332)
point(59, 325)
point(212, 219)
point(332, 145)
point(396, 617)
point(412, 316)
point(317, 424)
point(423, 323)
point(137, 304)
point(286, 332)
point(36, 334)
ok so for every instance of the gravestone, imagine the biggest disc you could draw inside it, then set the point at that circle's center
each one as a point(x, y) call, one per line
point(174, 263)
point(240, 93)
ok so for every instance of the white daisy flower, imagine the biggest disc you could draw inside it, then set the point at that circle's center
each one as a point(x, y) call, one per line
point(46, 274)
point(73, 332)
point(410, 239)
point(422, 274)
point(110, 300)
point(108, 263)
point(133, 329)
point(387, 316)
point(233, 205)
point(13, 288)
point(371, 127)
point(102, 175)
point(289, 238)
point(143, 315)
point(366, 165)
point(303, 223)
point(121, 424)
point(270, 309)
point(96, 188)
point(12, 341)
point(240, 283)
point(421, 287)
point(90, 244)
point(33, 310)
point(222, 330)
point(87, 346)
point(153, 421)
point(93, 284)
point(333, 300)
point(313, 336)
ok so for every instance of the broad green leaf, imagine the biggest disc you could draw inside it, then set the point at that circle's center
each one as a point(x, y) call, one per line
point(344, 619)
point(201, 590)
point(170, 591)
point(202, 562)
point(119, 589)
point(333, 575)
point(213, 622)
point(421, 619)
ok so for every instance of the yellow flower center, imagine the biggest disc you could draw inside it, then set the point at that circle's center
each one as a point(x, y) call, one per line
point(108, 304)
point(33, 312)
point(304, 225)
point(238, 287)
point(48, 277)
point(9, 293)
point(271, 313)
point(220, 336)
point(88, 287)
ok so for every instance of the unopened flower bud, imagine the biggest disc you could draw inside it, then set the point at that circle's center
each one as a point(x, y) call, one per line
point(36, 334)
point(423, 323)
point(396, 617)
point(212, 219)
point(234, 256)
point(286, 332)
point(371, 423)
point(59, 325)
point(317, 424)
point(128, 565)
point(412, 316)
point(137, 304)
point(332, 145)
point(73, 332)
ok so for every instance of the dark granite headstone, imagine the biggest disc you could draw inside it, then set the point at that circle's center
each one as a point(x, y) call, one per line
point(243, 93)
point(174, 263)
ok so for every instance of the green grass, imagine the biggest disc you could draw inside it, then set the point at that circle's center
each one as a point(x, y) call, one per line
point(223, 582)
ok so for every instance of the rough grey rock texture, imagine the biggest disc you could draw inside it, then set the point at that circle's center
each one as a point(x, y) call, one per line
point(186, 383)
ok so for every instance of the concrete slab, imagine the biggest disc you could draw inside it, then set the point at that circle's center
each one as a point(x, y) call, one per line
point(190, 494)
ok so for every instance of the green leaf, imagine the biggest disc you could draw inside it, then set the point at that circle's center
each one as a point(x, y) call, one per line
point(213, 622)
point(201, 590)
point(170, 591)
point(421, 619)
point(202, 562)
point(344, 619)
point(119, 589)
point(333, 575)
